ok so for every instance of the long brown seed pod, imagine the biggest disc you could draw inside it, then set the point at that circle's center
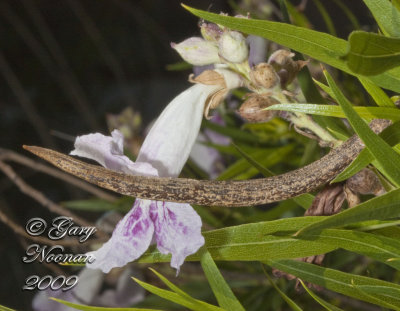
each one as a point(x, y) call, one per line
point(216, 193)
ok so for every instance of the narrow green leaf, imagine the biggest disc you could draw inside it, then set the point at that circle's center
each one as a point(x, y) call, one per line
point(391, 135)
point(378, 247)
point(376, 300)
point(386, 15)
point(255, 242)
point(322, 302)
point(371, 54)
point(334, 280)
point(308, 88)
point(376, 93)
point(3, 308)
point(325, 88)
point(321, 46)
point(368, 113)
point(289, 301)
point(225, 297)
point(192, 304)
point(89, 308)
point(380, 208)
point(383, 153)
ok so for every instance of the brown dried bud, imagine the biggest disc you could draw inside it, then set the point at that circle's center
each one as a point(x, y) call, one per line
point(253, 111)
point(285, 66)
point(365, 182)
point(264, 75)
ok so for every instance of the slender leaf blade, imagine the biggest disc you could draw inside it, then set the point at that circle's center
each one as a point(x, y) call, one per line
point(383, 153)
point(225, 297)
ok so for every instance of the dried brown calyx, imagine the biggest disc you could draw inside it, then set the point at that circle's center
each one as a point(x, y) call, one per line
point(286, 68)
point(264, 75)
point(253, 109)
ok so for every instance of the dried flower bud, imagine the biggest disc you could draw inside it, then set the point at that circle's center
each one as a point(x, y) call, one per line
point(233, 47)
point(253, 109)
point(365, 182)
point(285, 66)
point(210, 31)
point(197, 51)
point(223, 79)
point(264, 75)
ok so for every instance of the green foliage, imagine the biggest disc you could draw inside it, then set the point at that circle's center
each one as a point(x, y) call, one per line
point(369, 230)
point(321, 46)
point(372, 54)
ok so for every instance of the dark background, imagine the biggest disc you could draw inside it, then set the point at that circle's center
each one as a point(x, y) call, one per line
point(65, 64)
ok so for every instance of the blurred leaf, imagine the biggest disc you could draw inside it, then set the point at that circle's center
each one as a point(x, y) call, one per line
point(178, 298)
point(289, 301)
point(242, 169)
point(321, 301)
point(334, 280)
point(298, 18)
point(3, 308)
point(368, 113)
point(321, 46)
point(350, 15)
point(304, 200)
point(89, 308)
point(232, 132)
point(379, 96)
point(379, 208)
point(98, 205)
point(386, 15)
point(383, 153)
point(179, 66)
point(371, 54)
point(225, 297)
point(325, 16)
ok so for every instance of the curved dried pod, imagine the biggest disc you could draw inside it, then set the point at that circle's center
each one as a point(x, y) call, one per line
point(365, 182)
point(215, 192)
point(264, 75)
point(253, 109)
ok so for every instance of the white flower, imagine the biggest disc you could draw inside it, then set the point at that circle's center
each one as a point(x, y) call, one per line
point(174, 227)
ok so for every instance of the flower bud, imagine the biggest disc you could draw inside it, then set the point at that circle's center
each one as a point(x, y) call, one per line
point(210, 32)
point(233, 47)
point(253, 109)
point(285, 66)
point(365, 182)
point(197, 51)
point(264, 75)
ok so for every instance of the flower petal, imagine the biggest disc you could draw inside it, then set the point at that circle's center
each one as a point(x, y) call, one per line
point(177, 230)
point(168, 144)
point(197, 51)
point(108, 151)
point(129, 241)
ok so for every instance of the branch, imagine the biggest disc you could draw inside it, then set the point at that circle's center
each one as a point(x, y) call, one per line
point(216, 193)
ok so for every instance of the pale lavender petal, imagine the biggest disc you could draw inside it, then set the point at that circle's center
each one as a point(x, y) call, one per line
point(108, 151)
point(168, 144)
point(258, 50)
point(129, 241)
point(177, 230)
